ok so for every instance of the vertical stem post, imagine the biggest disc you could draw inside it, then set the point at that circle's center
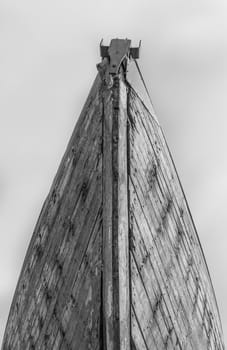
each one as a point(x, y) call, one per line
point(116, 296)
point(123, 225)
point(108, 331)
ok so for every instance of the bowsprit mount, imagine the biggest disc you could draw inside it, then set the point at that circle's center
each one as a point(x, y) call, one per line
point(118, 53)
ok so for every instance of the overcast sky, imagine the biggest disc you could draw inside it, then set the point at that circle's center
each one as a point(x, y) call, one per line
point(48, 55)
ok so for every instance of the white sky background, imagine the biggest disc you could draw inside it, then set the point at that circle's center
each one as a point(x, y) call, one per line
point(48, 53)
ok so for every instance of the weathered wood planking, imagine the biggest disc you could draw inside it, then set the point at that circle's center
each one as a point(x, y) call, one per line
point(58, 296)
point(108, 316)
point(115, 262)
point(123, 226)
point(173, 303)
point(116, 303)
point(73, 291)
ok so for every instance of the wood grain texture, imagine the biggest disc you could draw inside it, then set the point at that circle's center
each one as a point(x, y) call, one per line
point(168, 269)
point(115, 262)
point(123, 226)
point(116, 303)
point(58, 296)
point(108, 315)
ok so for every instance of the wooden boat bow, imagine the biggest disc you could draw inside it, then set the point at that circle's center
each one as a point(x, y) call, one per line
point(115, 262)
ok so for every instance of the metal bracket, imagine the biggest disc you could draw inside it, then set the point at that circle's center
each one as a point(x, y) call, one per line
point(118, 53)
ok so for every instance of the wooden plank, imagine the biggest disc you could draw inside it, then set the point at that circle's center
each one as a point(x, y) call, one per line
point(116, 296)
point(188, 230)
point(156, 134)
point(64, 287)
point(137, 337)
point(166, 214)
point(180, 257)
point(49, 263)
point(86, 294)
point(54, 230)
point(168, 177)
point(154, 264)
point(143, 311)
point(107, 223)
point(174, 280)
point(123, 229)
point(170, 224)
